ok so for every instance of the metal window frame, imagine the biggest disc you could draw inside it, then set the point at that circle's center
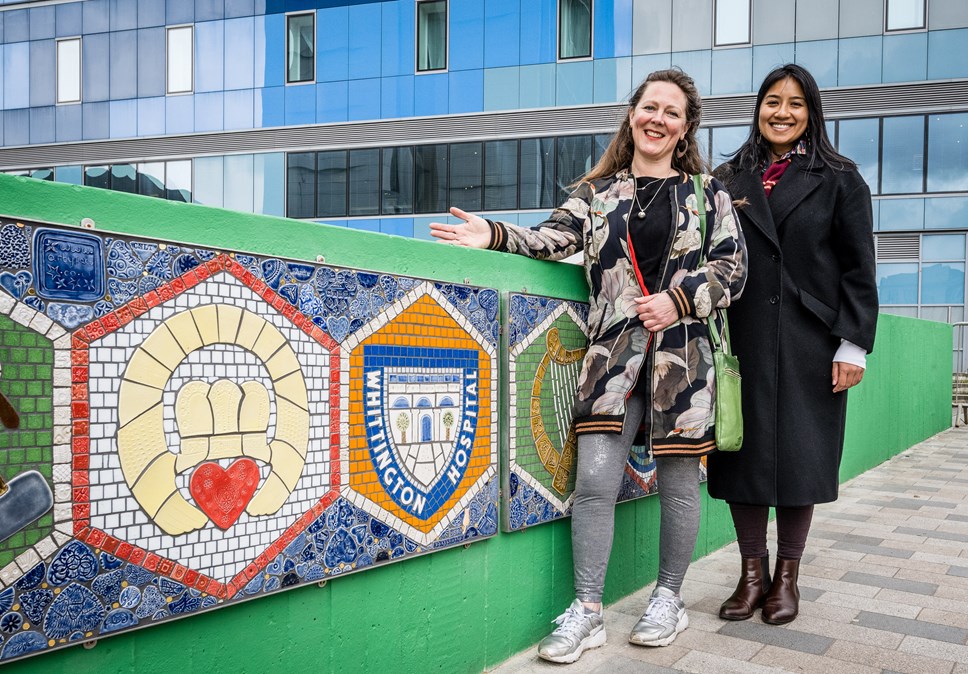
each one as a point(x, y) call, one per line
point(416, 38)
point(749, 28)
point(911, 29)
point(285, 62)
point(591, 36)
point(80, 70)
point(168, 32)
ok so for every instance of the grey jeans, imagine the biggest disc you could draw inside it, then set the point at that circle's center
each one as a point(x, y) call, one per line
point(601, 463)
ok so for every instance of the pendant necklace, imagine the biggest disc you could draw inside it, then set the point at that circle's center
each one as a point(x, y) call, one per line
point(641, 214)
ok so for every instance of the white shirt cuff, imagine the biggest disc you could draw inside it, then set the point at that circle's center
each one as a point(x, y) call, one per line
point(848, 352)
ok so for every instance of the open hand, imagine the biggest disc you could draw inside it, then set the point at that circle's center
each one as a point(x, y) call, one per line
point(474, 232)
point(657, 312)
point(845, 375)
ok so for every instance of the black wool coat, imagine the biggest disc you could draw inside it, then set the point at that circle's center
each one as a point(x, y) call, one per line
point(811, 283)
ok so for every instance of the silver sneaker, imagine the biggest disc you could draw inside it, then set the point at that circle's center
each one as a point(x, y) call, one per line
point(577, 632)
point(663, 620)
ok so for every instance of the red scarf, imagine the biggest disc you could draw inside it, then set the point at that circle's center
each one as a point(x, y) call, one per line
point(775, 171)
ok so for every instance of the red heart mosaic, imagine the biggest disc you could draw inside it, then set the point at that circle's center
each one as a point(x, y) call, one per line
point(223, 494)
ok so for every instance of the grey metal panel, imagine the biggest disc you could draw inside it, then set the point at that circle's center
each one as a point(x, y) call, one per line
point(774, 21)
point(692, 25)
point(817, 20)
point(861, 17)
point(651, 26)
point(947, 14)
point(868, 101)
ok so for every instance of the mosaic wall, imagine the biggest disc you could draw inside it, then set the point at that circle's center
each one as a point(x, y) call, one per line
point(546, 341)
point(199, 427)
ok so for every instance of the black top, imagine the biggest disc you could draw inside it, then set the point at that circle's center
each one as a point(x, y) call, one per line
point(650, 234)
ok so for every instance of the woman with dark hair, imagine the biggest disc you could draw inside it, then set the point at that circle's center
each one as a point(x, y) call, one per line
point(801, 332)
point(652, 281)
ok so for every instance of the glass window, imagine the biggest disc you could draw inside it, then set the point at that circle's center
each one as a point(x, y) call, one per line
point(726, 140)
point(902, 168)
point(69, 70)
point(430, 178)
point(901, 214)
point(42, 174)
point(946, 212)
point(732, 22)
point(948, 153)
point(208, 179)
point(537, 184)
point(178, 180)
point(943, 283)
point(301, 48)
point(897, 283)
point(331, 183)
point(936, 247)
point(397, 192)
point(905, 14)
point(124, 178)
point(602, 141)
point(180, 60)
point(500, 175)
point(72, 175)
point(574, 161)
point(431, 35)
point(301, 183)
point(364, 182)
point(466, 175)
point(151, 179)
point(574, 29)
point(859, 140)
point(269, 183)
point(239, 180)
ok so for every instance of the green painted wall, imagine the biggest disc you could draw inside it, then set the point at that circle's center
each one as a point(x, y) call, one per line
point(457, 610)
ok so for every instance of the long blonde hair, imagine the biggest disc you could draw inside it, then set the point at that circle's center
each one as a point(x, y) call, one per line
point(618, 155)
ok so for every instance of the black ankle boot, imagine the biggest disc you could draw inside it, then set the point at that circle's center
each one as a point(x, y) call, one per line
point(754, 582)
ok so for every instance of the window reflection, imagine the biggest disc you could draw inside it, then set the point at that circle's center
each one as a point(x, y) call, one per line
point(574, 29)
point(946, 212)
point(430, 169)
point(180, 60)
point(901, 214)
point(69, 70)
point(537, 173)
point(301, 48)
point(331, 183)
point(574, 161)
point(431, 36)
point(897, 283)
point(397, 180)
point(939, 247)
point(905, 14)
point(364, 182)
point(178, 181)
point(500, 175)
point(151, 179)
point(726, 140)
point(943, 283)
point(859, 141)
point(902, 168)
point(948, 153)
point(124, 178)
point(301, 181)
point(466, 175)
point(732, 22)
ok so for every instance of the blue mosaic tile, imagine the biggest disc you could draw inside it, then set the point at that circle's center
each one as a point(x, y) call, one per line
point(16, 284)
point(76, 609)
point(22, 644)
point(68, 265)
point(14, 246)
point(32, 578)
point(35, 603)
point(75, 561)
point(118, 619)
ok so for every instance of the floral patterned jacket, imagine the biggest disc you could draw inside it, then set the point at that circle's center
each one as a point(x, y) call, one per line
point(595, 219)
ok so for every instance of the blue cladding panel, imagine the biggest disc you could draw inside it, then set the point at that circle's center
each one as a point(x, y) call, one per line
point(301, 104)
point(363, 99)
point(613, 80)
point(269, 107)
point(238, 109)
point(16, 87)
point(42, 23)
point(209, 56)
point(365, 225)
point(151, 13)
point(151, 62)
point(42, 73)
point(151, 116)
point(905, 57)
point(95, 120)
point(236, 8)
point(124, 118)
point(274, 51)
point(209, 10)
point(397, 97)
point(124, 69)
point(67, 123)
point(364, 50)
point(430, 94)
point(239, 49)
point(732, 71)
point(96, 55)
point(466, 48)
point(332, 101)
point(209, 111)
point(860, 61)
point(269, 171)
point(943, 45)
point(502, 29)
point(97, 16)
point(538, 86)
point(539, 31)
point(573, 83)
point(421, 227)
point(397, 226)
point(180, 11)
point(16, 26)
point(603, 27)
point(699, 66)
point(124, 15)
point(466, 91)
point(332, 44)
point(68, 19)
point(398, 38)
point(16, 127)
point(179, 114)
point(643, 65)
point(820, 58)
point(501, 88)
point(42, 125)
point(767, 57)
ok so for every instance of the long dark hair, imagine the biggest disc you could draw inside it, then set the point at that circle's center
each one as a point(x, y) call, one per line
point(755, 150)
point(618, 155)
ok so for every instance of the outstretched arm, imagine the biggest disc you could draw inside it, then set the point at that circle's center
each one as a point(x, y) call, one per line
point(473, 233)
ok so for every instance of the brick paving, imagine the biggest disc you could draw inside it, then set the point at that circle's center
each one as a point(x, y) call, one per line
point(884, 585)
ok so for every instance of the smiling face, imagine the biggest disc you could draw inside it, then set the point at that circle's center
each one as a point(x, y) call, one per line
point(658, 123)
point(783, 115)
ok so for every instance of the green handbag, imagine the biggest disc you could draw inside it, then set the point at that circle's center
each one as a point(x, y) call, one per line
point(729, 394)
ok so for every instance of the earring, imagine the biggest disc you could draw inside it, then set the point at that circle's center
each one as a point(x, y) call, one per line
point(685, 148)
